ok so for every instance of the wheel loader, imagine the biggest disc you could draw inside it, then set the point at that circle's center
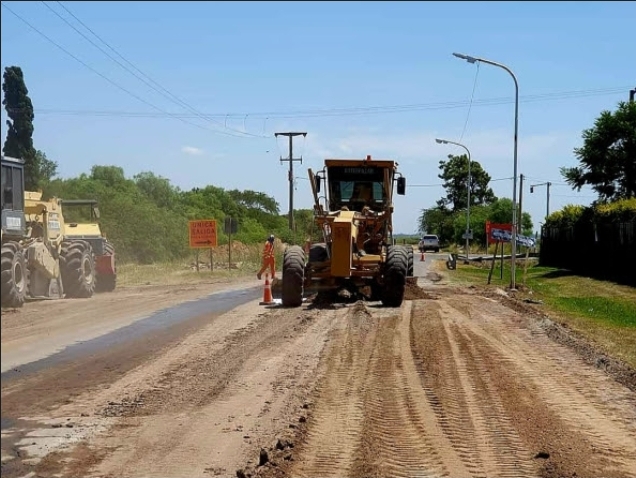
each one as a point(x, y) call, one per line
point(357, 252)
point(37, 261)
point(103, 249)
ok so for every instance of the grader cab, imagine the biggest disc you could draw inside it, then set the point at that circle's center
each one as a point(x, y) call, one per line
point(38, 262)
point(357, 252)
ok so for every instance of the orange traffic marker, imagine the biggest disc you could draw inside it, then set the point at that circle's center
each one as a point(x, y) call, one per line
point(422, 257)
point(267, 293)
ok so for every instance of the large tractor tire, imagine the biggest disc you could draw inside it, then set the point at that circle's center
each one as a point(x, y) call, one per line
point(411, 268)
point(107, 282)
point(395, 272)
point(293, 276)
point(78, 269)
point(13, 275)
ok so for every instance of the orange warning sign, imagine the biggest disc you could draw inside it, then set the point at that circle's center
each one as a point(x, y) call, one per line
point(202, 233)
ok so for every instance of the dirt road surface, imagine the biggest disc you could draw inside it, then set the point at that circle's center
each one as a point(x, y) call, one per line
point(452, 383)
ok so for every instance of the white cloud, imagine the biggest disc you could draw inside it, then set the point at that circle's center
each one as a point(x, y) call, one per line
point(539, 158)
point(192, 150)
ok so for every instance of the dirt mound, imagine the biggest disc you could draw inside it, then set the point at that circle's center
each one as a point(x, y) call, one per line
point(415, 292)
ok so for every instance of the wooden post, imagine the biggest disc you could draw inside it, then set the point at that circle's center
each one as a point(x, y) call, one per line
point(525, 266)
point(196, 258)
point(494, 259)
point(501, 264)
point(211, 261)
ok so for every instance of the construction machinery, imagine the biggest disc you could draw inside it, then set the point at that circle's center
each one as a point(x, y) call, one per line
point(37, 261)
point(357, 252)
point(103, 249)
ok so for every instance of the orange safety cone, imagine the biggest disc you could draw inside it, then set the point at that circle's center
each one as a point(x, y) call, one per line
point(422, 257)
point(267, 293)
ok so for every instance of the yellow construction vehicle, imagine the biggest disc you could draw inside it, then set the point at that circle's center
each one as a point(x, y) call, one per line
point(358, 251)
point(37, 261)
point(91, 232)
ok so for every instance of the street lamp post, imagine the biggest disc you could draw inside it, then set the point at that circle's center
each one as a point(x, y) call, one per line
point(547, 204)
point(472, 59)
point(444, 141)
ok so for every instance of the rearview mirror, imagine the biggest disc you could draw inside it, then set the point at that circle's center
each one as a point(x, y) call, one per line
point(318, 178)
point(401, 186)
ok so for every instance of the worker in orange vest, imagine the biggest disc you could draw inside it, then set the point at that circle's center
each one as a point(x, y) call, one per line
point(268, 258)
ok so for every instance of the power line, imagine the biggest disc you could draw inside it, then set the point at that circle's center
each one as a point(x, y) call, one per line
point(435, 185)
point(86, 65)
point(356, 111)
point(470, 106)
point(161, 90)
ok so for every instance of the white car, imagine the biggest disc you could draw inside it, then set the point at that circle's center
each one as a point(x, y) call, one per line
point(430, 242)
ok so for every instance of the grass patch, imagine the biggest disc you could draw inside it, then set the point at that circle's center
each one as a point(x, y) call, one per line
point(603, 312)
point(245, 263)
point(170, 273)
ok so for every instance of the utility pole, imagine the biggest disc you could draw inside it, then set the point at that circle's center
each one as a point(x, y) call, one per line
point(631, 95)
point(520, 203)
point(291, 160)
point(547, 206)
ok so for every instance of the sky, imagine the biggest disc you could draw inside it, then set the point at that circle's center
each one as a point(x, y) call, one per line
point(194, 91)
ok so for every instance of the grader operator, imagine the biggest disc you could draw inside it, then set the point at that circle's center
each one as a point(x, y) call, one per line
point(357, 252)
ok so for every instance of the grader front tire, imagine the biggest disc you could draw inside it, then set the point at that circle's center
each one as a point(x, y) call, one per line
point(293, 276)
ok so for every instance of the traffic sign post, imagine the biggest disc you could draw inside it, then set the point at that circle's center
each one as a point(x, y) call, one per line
point(202, 234)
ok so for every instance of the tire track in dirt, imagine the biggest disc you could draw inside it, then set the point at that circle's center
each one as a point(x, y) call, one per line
point(460, 386)
point(329, 444)
point(577, 415)
point(401, 436)
point(371, 417)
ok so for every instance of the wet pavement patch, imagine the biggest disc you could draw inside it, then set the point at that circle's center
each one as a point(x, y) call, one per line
point(213, 304)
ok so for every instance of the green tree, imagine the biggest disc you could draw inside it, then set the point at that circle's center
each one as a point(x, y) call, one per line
point(47, 169)
point(19, 141)
point(501, 213)
point(607, 159)
point(455, 176)
point(157, 189)
point(437, 220)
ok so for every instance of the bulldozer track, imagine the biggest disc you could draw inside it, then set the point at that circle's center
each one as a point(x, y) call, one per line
point(461, 386)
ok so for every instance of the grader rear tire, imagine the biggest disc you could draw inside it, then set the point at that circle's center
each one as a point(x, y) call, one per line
point(78, 269)
point(106, 283)
point(411, 267)
point(396, 269)
point(13, 275)
point(293, 276)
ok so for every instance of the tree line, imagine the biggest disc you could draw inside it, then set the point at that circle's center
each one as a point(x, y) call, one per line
point(607, 163)
point(145, 216)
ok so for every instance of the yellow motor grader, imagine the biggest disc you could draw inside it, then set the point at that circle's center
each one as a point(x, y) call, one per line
point(357, 252)
point(37, 261)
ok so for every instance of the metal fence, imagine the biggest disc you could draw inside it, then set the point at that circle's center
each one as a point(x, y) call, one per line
point(603, 251)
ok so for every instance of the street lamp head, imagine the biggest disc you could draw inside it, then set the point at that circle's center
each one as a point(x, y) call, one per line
point(440, 141)
point(469, 59)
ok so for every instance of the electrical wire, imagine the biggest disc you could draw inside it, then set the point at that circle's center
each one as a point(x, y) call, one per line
point(470, 106)
point(162, 90)
point(441, 184)
point(167, 94)
point(358, 111)
point(118, 86)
